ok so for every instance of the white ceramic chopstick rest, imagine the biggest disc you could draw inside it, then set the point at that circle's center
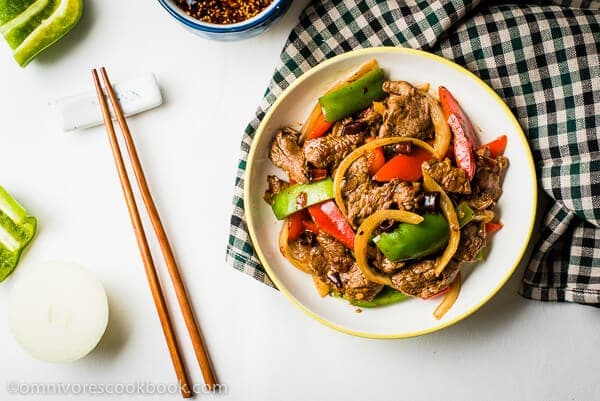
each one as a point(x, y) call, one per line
point(58, 311)
point(83, 111)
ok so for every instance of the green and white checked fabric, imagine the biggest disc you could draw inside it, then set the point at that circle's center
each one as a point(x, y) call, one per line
point(542, 58)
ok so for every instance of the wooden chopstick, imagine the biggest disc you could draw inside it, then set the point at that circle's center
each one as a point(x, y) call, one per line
point(157, 295)
point(186, 309)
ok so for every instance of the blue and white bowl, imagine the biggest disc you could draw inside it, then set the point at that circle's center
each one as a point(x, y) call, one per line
point(242, 30)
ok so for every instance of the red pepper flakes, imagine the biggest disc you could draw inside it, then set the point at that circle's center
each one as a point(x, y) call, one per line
point(301, 199)
point(223, 12)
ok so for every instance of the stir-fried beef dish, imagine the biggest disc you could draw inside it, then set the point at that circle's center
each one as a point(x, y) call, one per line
point(382, 195)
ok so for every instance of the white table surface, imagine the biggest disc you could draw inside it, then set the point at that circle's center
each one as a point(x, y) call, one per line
point(262, 347)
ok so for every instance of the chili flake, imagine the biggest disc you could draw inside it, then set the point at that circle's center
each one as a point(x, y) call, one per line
point(223, 12)
point(301, 200)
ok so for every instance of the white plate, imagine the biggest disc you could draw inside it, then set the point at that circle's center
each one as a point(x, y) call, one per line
point(516, 206)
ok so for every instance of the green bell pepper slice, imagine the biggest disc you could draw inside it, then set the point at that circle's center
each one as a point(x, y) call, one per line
point(387, 296)
point(301, 196)
point(17, 229)
point(465, 214)
point(410, 241)
point(354, 96)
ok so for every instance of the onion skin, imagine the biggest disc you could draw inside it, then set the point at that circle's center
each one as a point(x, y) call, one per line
point(363, 235)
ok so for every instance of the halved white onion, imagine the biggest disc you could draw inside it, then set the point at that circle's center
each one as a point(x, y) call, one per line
point(58, 311)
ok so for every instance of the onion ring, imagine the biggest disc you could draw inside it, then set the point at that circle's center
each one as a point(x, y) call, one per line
point(449, 213)
point(363, 235)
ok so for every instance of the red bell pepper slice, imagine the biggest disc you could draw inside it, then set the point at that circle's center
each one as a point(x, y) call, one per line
point(375, 158)
point(311, 226)
point(295, 224)
point(465, 139)
point(330, 219)
point(406, 167)
point(318, 126)
point(493, 227)
point(497, 146)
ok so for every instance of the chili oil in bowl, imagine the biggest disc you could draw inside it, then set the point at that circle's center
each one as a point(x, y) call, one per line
point(226, 20)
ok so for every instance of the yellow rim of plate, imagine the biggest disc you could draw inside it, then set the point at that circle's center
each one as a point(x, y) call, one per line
point(260, 132)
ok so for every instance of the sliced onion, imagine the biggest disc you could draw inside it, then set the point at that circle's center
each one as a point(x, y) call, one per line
point(363, 235)
point(367, 67)
point(284, 247)
point(321, 286)
point(442, 131)
point(450, 214)
point(58, 312)
point(340, 173)
point(449, 298)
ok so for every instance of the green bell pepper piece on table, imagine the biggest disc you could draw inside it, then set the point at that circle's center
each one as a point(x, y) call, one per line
point(387, 296)
point(17, 229)
point(409, 241)
point(300, 196)
point(354, 96)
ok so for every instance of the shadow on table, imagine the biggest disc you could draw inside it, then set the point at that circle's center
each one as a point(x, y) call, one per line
point(72, 39)
point(116, 336)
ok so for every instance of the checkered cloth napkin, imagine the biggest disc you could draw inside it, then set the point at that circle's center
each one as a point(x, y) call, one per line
point(542, 58)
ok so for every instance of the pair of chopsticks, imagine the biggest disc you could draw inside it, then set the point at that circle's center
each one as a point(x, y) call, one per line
point(157, 294)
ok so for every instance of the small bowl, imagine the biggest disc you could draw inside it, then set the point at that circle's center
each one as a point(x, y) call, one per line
point(231, 32)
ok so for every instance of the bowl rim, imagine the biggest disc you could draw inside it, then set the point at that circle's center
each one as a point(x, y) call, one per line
point(193, 23)
point(261, 131)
